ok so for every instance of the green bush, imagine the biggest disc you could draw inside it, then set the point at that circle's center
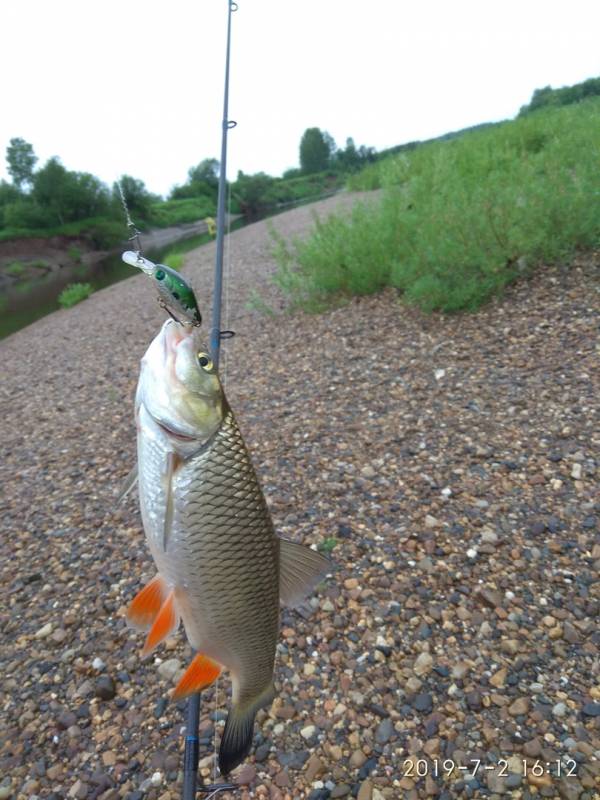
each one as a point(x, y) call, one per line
point(74, 293)
point(174, 260)
point(176, 212)
point(460, 219)
point(15, 268)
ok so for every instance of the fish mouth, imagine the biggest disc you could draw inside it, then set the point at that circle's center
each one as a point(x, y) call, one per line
point(173, 334)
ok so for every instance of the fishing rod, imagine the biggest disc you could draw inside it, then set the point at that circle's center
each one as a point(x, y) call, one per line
point(191, 752)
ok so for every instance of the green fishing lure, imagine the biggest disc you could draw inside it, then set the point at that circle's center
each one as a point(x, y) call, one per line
point(175, 294)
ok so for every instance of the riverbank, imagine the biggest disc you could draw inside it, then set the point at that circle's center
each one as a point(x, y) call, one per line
point(451, 463)
point(34, 271)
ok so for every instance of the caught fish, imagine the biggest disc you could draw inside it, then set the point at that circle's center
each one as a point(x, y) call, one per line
point(176, 294)
point(221, 569)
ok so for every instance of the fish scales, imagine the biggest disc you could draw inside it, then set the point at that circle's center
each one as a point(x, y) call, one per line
point(221, 567)
point(223, 551)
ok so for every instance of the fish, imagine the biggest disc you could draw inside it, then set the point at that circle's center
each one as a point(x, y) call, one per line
point(221, 568)
point(174, 291)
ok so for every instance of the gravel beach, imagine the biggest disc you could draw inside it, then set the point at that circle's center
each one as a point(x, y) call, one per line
point(455, 649)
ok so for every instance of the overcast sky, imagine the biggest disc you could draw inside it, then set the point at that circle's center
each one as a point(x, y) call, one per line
point(136, 86)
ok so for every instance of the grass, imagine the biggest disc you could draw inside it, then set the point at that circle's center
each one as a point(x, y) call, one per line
point(458, 220)
point(15, 268)
point(174, 260)
point(176, 212)
point(327, 545)
point(74, 293)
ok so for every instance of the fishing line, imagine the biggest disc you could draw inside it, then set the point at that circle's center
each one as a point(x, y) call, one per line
point(227, 279)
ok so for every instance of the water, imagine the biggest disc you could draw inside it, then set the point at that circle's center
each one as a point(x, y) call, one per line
point(32, 300)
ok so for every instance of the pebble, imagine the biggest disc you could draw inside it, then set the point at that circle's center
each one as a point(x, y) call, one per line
point(365, 791)
point(44, 631)
point(384, 731)
point(341, 790)
point(309, 731)
point(423, 702)
point(423, 664)
point(591, 709)
point(467, 635)
point(559, 710)
point(519, 706)
point(169, 668)
point(105, 688)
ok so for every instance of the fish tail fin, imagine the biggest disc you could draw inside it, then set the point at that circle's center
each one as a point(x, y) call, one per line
point(239, 728)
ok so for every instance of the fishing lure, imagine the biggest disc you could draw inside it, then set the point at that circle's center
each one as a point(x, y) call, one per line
point(176, 295)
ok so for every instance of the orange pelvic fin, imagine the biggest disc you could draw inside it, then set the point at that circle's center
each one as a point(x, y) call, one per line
point(147, 603)
point(163, 626)
point(200, 674)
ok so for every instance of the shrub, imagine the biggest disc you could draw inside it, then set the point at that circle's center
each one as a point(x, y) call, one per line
point(15, 268)
point(74, 293)
point(174, 260)
point(457, 217)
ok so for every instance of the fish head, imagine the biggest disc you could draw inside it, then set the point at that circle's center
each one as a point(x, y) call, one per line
point(179, 386)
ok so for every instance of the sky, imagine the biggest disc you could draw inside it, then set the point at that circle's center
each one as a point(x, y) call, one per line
point(136, 87)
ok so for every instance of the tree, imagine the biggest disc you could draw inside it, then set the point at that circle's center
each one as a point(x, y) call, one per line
point(139, 200)
point(253, 193)
point(69, 196)
point(316, 149)
point(203, 181)
point(21, 161)
point(206, 171)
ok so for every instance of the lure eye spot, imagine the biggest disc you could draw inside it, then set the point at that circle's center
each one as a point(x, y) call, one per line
point(160, 275)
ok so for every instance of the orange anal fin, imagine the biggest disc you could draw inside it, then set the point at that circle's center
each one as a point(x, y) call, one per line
point(147, 603)
point(201, 673)
point(163, 626)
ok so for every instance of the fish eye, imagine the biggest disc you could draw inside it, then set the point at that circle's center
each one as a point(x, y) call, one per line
point(205, 362)
point(159, 275)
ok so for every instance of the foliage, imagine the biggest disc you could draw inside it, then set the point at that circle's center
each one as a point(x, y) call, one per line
point(261, 194)
point(176, 212)
point(74, 252)
point(352, 158)
point(103, 234)
point(74, 293)
point(327, 545)
point(252, 193)
point(139, 200)
point(173, 260)
point(316, 150)
point(15, 268)
point(203, 181)
point(69, 196)
point(21, 161)
point(460, 219)
point(207, 171)
point(566, 95)
point(24, 213)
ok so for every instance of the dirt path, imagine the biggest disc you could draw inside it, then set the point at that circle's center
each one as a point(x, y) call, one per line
point(454, 461)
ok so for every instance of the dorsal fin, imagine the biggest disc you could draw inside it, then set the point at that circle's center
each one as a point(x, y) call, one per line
point(300, 570)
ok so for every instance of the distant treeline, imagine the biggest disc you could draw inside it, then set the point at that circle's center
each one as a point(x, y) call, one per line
point(565, 96)
point(54, 200)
